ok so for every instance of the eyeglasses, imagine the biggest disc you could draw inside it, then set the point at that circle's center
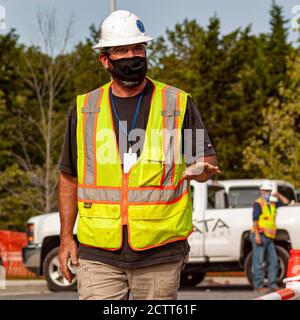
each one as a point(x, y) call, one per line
point(138, 49)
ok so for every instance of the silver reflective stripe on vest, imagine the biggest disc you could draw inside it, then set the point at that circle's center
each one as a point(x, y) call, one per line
point(90, 111)
point(170, 113)
point(99, 194)
point(157, 195)
point(146, 195)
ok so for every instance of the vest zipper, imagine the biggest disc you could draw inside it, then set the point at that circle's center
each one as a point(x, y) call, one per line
point(124, 206)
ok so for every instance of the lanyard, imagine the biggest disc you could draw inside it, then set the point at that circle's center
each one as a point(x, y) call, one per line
point(117, 115)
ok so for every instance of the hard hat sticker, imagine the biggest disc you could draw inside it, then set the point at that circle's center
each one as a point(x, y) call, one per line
point(140, 25)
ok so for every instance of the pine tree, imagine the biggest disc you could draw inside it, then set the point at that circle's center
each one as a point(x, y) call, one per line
point(277, 52)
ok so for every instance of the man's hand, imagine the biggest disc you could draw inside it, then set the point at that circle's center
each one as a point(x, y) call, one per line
point(200, 171)
point(282, 198)
point(68, 248)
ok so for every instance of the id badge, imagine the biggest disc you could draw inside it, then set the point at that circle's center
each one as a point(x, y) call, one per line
point(130, 159)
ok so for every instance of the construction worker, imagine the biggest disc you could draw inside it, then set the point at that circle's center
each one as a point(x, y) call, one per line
point(135, 211)
point(263, 236)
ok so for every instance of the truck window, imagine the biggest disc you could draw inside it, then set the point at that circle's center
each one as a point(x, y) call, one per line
point(242, 197)
point(216, 198)
point(287, 192)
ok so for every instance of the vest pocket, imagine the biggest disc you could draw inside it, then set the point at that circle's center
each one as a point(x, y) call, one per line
point(152, 225)
point(150, 174)
point(160, 212)
point(151, 212)
point(104, 211)
point(149, 170)
point(100, 225)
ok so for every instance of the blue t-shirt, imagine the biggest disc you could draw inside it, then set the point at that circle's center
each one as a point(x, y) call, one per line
point(257, 209)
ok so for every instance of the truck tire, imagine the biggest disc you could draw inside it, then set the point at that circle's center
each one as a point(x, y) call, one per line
point(283, 259)
point(55, 280)
point(191, 279)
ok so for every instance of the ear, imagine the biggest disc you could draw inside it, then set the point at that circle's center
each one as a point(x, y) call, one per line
point(104, 60)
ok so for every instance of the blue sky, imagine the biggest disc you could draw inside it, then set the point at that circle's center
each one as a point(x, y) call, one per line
point(157, 15)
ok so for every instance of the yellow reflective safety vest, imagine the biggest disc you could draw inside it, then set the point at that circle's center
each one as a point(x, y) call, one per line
point(152, 199)
point(266, 221)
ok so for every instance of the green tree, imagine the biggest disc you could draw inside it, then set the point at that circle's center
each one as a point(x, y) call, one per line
point(277, 52)
point(274, 152)
point(15, 201)
point(38, 87)
point(246, 88)
point(218, 72)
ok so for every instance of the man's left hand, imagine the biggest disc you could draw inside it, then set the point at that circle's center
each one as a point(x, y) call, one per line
point(200, 171)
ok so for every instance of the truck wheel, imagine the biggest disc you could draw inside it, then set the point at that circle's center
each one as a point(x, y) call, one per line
point(283, 259)
point(55, 280)
point(190, 279)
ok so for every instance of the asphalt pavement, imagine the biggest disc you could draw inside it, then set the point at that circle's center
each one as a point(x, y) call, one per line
point(211, 288)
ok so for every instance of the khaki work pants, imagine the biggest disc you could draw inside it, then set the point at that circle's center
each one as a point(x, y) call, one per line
point(99, 281)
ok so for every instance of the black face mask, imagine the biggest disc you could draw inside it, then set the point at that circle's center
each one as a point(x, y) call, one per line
point(129, 71)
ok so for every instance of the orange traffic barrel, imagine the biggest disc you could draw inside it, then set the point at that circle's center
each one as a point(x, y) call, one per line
point(294, 264)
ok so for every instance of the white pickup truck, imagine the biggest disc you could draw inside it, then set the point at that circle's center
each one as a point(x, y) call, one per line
point(241, 192)
point(220, 241)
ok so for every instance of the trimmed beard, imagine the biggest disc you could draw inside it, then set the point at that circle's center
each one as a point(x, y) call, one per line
point(127, 84)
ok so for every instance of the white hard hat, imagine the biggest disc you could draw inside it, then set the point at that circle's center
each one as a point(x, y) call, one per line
point(267, 185)
point(121, 28)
